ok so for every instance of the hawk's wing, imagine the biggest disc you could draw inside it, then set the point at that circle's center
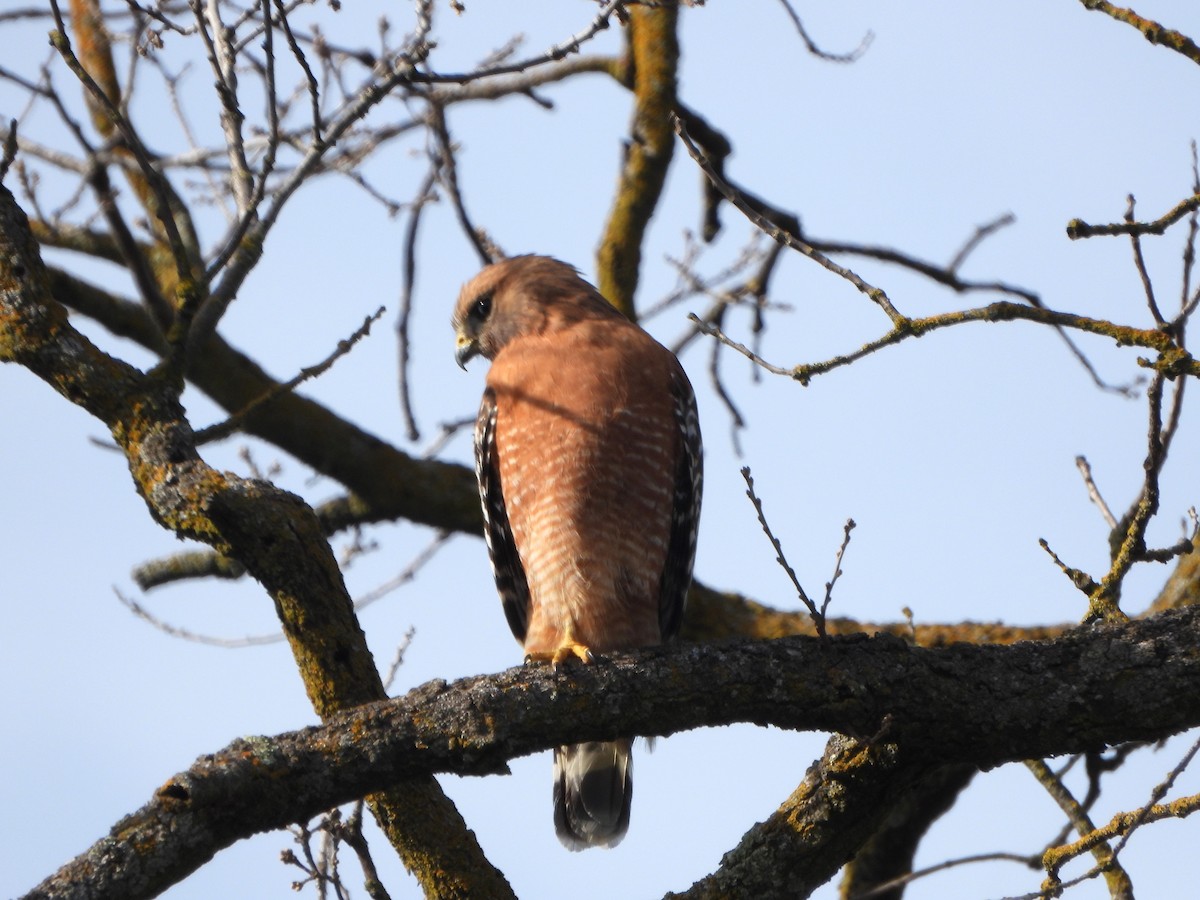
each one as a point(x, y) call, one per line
point(689, 482)
point(506, 562)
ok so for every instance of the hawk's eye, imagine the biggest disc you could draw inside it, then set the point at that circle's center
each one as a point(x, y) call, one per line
point(482, 308)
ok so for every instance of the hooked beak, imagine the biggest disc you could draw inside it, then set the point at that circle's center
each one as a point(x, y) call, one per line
point(464, 349)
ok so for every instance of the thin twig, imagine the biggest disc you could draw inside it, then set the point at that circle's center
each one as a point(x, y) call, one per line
point(1079, 578)
point(1103, 603)
point(241, 249)
point(223, 429)
point(313, 90)
point(889, 886)
point(398, 658)
point(10, 149)
point(817, 615)
point(219, 46)
point(837, 565)
point(351, 834)
point(408, 574)
point(1139, 263)
point(716, 332)
point(981, 232)
point(96, 177)
point(446, 432)
point(736, 420)
point(1085, 470)
point(784, 236)
point(184, 634)
point(816, 51)
point(1187, 299)
point(408, 281)
point(557, 52)
point(1150, 29)
point(448, 175)
point(1160, 791)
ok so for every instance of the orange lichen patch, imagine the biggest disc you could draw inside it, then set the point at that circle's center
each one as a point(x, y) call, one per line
point(712, 615)
point(142, 842)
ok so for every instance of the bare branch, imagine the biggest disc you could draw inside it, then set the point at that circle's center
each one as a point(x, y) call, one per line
point(1077, 228)
point(163, 194)
point(10, 149)
point(1172, 360)
point(1151, 30)
point(237, 421)
point(1009, 699)
point(188, 635)
point(1139, 263)
point(1103, 601)
point(1119, 885)
point(652, 73)
point(816, 51)
point(818, 615)
point(1121, 825)
point(557, 52)
point(837, 565)
point(982, 232)
point(447, 171)
point(218, 41)
point(181, 566)
point(888, 886)
point(1187, 299)
point(302, 61)
point(408, 280)
point(777, 233)
point(1082, 580)
point(736, 420)
point(185, 495)
point(1094, 492)
point(713, 331)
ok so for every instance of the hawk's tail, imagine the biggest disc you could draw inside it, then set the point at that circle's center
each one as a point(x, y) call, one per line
point(593, 784)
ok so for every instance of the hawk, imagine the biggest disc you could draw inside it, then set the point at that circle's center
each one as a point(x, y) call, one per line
point(588, 456)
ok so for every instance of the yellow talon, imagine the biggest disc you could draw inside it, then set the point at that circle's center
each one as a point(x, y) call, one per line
point(560, 655)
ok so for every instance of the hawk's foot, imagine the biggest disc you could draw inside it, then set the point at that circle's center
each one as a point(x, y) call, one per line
point(560, 655)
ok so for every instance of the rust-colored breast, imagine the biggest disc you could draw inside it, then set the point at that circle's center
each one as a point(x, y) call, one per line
point(587, 442)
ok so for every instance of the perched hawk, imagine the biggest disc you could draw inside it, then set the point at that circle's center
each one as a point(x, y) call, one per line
point(587, 450)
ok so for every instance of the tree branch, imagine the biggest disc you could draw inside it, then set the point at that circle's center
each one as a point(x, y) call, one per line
point(956, 705)
point(274, 534)
point(653, 59)
point(1151, 30)
point(386, 483)
point(889, 852)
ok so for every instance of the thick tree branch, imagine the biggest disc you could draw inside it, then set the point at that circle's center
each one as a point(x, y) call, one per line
point(272, 533)
point(652, 62)
point(962, 704)
point(889, 851)
point(844, 799)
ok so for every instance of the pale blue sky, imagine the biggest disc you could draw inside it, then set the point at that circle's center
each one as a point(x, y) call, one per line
point(954, 454)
